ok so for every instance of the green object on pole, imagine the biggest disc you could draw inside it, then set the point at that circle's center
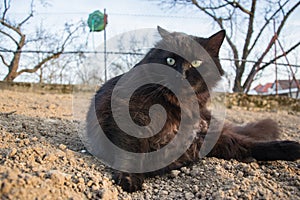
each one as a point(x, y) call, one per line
point(97, 21)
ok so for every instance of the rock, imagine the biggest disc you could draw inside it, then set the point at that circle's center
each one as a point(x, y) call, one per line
point(164, 192)
point(240, 174)
point(51, 106)
point(62, 147)
point(174, 173)
point(254, 165)
point(57, 177)
point(83, 151)
point(12, 152)
point(34, 139)
point(50, 157)
point(195, 188)
point(89, 183)
point(219, 195)
point(13, 174)
point(186, 170)
point(6, 187)
point(189, 195)
point(110, 194)
point(95, 188)
point(81, 180)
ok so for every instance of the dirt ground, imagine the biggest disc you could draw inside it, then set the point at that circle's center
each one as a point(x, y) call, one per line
point(42, 157)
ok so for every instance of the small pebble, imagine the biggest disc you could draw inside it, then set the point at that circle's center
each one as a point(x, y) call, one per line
point(164, 192)
point(12, 153)
point(195, 188)
point(189, 195)
point(81, 180)
point(89, 183)
point(51, 106)
point(34, 139)
point(6, 187)
point(57, 177)
point(62, 147)
point(174, 173)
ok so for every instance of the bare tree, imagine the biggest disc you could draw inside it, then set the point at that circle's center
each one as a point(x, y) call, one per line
point(249, 22)
point(17, 41)
point(86, 72)
point(60, 71)
point(135, 49)
point(124, 52)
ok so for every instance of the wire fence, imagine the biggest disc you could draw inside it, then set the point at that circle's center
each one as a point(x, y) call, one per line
point(130, 53)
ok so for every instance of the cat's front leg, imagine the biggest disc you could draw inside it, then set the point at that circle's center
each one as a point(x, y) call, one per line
point(129, 182)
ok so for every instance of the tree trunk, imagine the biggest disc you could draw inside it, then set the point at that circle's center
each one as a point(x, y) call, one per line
point(238, 82)
point(41, 76)
point(14, 65)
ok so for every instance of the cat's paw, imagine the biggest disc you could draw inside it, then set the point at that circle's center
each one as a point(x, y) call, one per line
point(276, 150)
point(129, 182)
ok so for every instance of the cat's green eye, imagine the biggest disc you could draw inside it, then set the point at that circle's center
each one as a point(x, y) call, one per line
point(196, 63)
point(171, 61)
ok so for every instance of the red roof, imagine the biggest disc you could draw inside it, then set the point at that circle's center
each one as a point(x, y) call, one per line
point(263, 88)
point(282, 84)
point(258, 87)
point(286, 84)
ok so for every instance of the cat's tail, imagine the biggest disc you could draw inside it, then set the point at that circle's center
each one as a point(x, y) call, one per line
point(276, 150)
point(263, 144)
point(263, 130)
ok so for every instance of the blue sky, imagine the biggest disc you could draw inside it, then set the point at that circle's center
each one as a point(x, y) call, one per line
point(126, 15)
point(122, 15)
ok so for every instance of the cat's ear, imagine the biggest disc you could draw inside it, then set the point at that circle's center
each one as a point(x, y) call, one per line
point(215, 41)
point(162, 32)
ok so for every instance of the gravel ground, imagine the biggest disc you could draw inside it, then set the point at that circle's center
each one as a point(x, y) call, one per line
point(42, 157)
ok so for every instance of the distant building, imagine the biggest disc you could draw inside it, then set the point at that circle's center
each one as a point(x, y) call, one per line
point(284, 88)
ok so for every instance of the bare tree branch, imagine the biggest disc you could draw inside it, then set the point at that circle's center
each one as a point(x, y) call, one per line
point(28, 17)
point(239, 6)
point(6, 8)
point(69, 37)
point(256, 67)
point(249, 31)
point(3, 61)
point(280, 56)
point(40, 64)
point(265, 25)
point(25, 20)
point(219, 22)
point(215, 7)
point(20, 40)
point(244, 22)
point(11, 37)
point(245, 53)
point(282, 23)
point(204, 10)
point(10, 27)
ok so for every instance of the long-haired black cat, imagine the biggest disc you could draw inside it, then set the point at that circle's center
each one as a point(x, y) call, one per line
point(258, 140)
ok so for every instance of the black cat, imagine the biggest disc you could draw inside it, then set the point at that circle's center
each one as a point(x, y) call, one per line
point(254, 141)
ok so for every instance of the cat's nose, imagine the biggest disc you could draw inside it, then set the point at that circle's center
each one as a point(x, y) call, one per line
point(185, 67)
